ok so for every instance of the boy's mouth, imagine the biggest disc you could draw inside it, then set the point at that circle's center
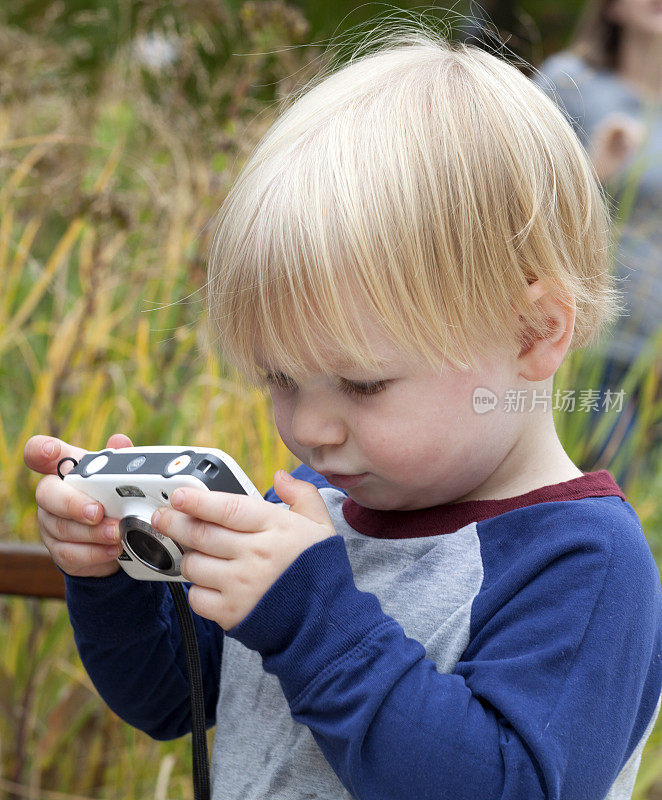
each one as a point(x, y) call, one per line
point(344, 481)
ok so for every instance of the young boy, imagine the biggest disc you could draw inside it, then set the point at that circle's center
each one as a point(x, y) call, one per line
point(439, 604)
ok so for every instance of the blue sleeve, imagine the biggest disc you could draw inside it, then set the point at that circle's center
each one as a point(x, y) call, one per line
point(548, 700)
point(129, 640)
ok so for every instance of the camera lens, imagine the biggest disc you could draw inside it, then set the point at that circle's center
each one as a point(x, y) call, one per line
point(149, 550)
point(154, 551)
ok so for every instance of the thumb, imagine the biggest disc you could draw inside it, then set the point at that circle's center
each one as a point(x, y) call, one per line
point(302, 497)
point(119, 440)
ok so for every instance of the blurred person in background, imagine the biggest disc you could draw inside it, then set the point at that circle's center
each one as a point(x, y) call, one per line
point(609, 83)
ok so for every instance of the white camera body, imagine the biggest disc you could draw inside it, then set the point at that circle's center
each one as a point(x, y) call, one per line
point(132, 482)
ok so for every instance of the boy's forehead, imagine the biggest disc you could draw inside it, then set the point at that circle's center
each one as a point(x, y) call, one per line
point(313, 347)
point(312, 350)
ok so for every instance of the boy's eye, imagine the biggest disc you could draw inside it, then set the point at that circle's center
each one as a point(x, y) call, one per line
point(362, 389)
point(280, 381)
point(283, 382)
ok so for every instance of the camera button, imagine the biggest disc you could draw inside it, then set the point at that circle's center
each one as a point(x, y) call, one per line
point(135, 463)
point(178, 464)
point(96, 464)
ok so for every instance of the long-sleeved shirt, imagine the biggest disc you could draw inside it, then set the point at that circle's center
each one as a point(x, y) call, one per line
point(487, 649)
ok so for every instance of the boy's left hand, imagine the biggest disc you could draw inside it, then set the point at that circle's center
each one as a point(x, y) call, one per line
point(240, 545)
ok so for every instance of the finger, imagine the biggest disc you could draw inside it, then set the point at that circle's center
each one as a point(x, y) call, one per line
point(119, 440)
point(204, 570)
point(302, 497)
point(210, 604)
point(237, 512)
point(62, 500)
point(42, 453)
point(196, 534)
point(66, 530)
point(78, 559)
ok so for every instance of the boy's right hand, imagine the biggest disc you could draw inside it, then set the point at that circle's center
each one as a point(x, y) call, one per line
point(80, 539)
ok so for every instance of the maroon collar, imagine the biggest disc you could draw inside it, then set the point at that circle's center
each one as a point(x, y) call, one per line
point(450, 517)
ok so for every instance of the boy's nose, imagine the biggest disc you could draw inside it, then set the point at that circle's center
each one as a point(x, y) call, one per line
point(314, 425)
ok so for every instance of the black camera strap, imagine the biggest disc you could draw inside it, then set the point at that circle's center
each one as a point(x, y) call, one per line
point(201, 785)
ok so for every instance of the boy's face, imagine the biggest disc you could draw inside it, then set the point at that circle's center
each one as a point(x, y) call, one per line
point(409, 432)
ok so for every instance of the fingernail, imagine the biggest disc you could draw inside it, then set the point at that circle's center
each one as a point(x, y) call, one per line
point(285, 475)
point(112, 533)
point(114, 551)
point(156, 516)
point(90, 511)
point(48, 448)
point(177, 498)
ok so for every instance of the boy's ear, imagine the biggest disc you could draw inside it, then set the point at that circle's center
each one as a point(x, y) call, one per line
point(541, 355)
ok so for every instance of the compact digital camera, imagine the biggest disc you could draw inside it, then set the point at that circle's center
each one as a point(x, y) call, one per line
point(132, 482)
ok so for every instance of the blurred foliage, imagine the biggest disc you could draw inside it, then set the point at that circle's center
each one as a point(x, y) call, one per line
point(92, 31)
point(110, 171)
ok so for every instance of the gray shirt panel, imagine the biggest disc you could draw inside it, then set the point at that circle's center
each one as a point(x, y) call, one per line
point(427, 584)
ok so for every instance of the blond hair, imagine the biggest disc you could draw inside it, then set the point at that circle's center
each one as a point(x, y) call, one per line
point(422, 186)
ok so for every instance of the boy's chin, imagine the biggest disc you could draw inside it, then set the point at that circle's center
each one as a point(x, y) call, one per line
point(386, 498)
point(366, 497)
point(376, 500)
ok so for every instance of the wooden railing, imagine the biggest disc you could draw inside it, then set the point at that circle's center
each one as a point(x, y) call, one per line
point(27, 569)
